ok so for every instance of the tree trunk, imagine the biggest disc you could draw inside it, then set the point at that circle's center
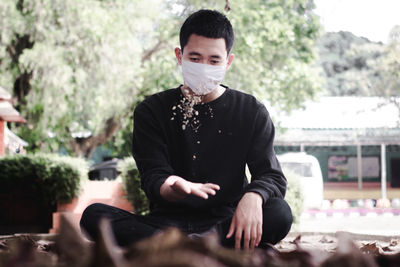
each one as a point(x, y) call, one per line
point(83, 147)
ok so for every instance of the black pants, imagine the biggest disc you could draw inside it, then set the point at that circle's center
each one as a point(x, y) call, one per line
point(128, 227)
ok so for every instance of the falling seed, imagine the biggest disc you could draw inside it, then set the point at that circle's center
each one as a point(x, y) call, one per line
point(183, 127)
point(198, 142)
point(194, 157)
point(172, 118)
point(219, 131)
point(174, 107)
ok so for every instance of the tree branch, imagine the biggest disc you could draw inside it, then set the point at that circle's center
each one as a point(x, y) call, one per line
point(148, 53)
point(85, 146)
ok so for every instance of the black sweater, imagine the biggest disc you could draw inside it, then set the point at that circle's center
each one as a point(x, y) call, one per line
point(214, 147)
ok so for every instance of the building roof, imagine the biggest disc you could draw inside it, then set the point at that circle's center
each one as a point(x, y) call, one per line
point(343, 112)
point(12, 137)
point(4, 95)
point(340, 121)
point(8, 113)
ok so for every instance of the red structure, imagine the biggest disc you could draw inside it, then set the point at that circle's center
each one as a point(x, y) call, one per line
point(7, 114)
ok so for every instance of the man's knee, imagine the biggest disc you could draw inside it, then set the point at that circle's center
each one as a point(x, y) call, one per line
point(91, 217)
point(280, 210)
point(91, 212)
point(277, 221)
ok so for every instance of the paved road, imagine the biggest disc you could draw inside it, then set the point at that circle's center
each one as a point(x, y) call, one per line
point(371, 225)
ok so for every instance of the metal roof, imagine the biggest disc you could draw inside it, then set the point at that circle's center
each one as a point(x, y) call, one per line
point(8, 134)
point(342, 113)
point(340, 121)
point(8, 113)
point(4, 95)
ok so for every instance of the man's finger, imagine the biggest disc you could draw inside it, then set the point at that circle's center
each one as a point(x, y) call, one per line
point(208, 191)
point(213, 186)
point(238, 237)
point(199, 193)
point(253, 237)
point(231, 228)
point(246, 238)
point(259, 234)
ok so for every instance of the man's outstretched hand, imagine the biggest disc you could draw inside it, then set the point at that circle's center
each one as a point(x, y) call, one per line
point(247, 221)
point(176, 188)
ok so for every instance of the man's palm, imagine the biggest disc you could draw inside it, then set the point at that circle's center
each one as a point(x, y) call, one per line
point(176, 188)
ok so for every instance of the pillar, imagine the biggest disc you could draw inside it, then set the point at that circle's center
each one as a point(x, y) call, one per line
point(359, 166)
point(2, 146)
point(383, 171)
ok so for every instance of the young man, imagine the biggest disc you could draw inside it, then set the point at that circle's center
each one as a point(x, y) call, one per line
point(191, 145)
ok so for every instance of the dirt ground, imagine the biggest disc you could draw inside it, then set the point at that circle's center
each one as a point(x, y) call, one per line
point(328, 242)
point(172, 248)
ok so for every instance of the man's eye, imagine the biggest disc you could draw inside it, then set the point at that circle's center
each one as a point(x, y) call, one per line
point(195, 59)
point(214, 62)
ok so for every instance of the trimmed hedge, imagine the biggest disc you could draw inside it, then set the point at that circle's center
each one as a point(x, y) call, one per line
point(56, 179)
point(131, 181)
point(294, 195)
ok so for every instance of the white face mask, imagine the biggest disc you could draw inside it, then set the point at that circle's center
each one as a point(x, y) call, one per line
point(202, 79)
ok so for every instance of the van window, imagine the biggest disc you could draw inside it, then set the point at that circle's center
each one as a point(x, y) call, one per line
point(302, 169)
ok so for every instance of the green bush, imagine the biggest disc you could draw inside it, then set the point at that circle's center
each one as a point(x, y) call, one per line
point(131, 181)
point(294, 195)
point(54, 178)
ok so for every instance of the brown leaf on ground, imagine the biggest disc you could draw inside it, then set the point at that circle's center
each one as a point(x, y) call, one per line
point(388, 260)
point(72, 248)
point(3, 245)
point(106, 253)
point(348, 255)
point(297, 240)
point(372, 249)
point(172, 245)
point(326, 240)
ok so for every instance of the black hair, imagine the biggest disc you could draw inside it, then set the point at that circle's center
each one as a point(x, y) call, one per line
point(207, 23)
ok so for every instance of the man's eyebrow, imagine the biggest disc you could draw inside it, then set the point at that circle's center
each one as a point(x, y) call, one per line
point(216, 56)
point(194, 54)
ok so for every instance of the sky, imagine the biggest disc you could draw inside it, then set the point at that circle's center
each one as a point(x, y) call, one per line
point(372, 19)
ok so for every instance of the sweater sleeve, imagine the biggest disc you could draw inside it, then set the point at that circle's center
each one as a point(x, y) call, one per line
point(267, 178)
point(150, 152)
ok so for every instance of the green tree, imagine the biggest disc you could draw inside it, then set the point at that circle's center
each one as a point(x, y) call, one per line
point(274, 52)
point(75, 67)
point(349, 63)
point(389, 69)
point(78, 68)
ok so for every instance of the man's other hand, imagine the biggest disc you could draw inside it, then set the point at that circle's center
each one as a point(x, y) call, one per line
point(176, 188)
point(247, 221)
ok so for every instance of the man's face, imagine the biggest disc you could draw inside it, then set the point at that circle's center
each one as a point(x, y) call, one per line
point(200, 49)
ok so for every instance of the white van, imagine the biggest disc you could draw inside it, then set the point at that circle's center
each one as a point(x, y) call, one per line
point(309, 171)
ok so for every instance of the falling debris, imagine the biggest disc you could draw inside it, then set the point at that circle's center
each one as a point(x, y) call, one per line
point(187, 108)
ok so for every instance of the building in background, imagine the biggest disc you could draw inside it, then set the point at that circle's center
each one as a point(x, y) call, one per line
point(355, 139)
point(9, 140)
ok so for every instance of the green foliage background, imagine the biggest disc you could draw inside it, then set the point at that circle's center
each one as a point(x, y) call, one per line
point(131, 181)
point(74, 65)
point(294, 195)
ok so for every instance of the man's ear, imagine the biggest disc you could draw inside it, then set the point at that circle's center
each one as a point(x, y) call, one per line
point(178, 55)
point(230, 60)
